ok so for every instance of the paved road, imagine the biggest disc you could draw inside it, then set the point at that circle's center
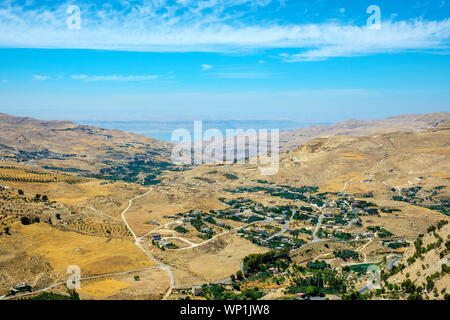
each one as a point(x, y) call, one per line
point(365, 288)
point(285, 227)
point(371, 285)
point(316, 229)
point(223, 233)
point(392, 262)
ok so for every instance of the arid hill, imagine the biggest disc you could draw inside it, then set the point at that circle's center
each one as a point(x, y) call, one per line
point(67, 147)
point(407, 122)
point(424, 268)
point(290, 140)
point(362, 164)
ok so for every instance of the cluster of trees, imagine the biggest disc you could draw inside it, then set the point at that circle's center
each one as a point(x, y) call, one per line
point(218, 292)
point(319, 283)
point(342, 235)
point(286, 192)
point(197, 223)
point(6, 230)
point(396, 245)
point(354, 295)
point(180, 229)
point(300, 216)
point(131, 171)
point(317, 265)
point(346, 254)
point(31, 178)
point(29, 220)
point(261, 262)
point(420, 250)
point(381, 232)
point(210, 220)
point(73, 295)
point(39, 197)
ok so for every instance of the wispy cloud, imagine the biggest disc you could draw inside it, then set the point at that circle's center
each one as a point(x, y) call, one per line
point(209, 26)
point(347, 41)
point(38, 77)
point(240, 75)
point(206, 67)
point(118, 78)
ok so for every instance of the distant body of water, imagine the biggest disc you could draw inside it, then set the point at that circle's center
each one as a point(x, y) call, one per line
point(162, 130)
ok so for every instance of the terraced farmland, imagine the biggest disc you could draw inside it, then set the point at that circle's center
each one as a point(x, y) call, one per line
point(21, 175)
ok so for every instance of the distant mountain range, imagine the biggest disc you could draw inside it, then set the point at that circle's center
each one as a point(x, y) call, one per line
point(66, 146)
point(290, 140)
point(406, 122)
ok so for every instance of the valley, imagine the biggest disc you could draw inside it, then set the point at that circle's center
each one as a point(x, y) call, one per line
point(373, 197)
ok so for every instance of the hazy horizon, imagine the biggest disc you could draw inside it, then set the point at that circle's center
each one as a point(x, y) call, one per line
point(162, 130)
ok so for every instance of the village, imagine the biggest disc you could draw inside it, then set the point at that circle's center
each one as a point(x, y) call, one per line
point(304, 217)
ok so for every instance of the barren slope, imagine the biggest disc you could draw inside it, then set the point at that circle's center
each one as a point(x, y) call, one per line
point(65, 146)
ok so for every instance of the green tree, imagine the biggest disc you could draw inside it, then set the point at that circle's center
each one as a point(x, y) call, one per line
point(25, 221)
point(312, 291)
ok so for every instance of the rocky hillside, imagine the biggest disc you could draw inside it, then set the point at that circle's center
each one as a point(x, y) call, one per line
point(390, 162)
point(424, 270)
point(84, 150)
point(291, 140)
point(408, 122)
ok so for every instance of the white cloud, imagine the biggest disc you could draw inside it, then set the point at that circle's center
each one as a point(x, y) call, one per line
point(38, 77)
point(79, 77)
point(393, 37)
point(209, 26)
point(118, 78)
point(240, 75)
point(206, 67)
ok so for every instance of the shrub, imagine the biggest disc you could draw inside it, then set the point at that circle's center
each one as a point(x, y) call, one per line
point(180, 229)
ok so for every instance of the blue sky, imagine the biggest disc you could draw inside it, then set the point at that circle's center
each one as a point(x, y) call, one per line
point(314, 61)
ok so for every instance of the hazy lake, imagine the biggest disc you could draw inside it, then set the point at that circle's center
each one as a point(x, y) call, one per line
point(163, 129)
